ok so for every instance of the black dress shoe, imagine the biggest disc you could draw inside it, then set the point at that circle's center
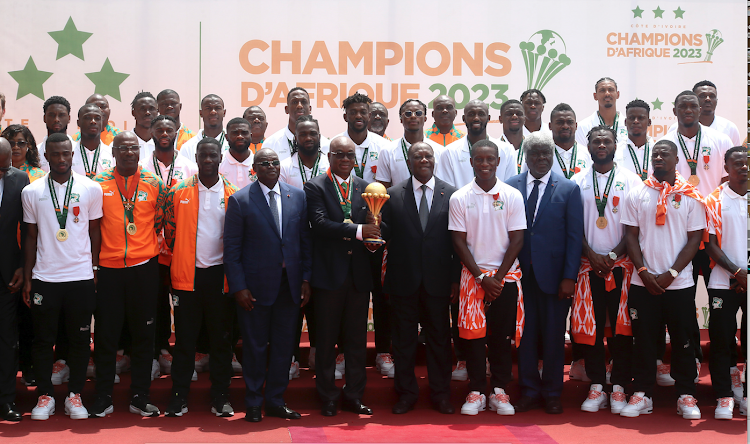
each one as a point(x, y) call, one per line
point(8, 412)
point(527, 403)
point(282, 411)
point(356, 406)
point(444, 406)
point(253, 414)
point(329, 408)
point(402, 406)
point(553, 406)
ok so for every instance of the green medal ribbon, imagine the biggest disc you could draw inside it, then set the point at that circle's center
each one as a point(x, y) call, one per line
point(314, 171)
point(406, 154)
point(693, 162)
point(341, 189)
point(566, 173)
point(614, 126)
point(361, 170)
point(641, 172)
point(168, 183)
point(601, 201)
point(519, 158)
point(62, 215)
point(128, 203)
point(90, 169)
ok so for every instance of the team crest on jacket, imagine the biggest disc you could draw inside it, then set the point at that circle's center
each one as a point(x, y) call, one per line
point(75, 198)
point(633, 314)
point(498, 205)
point(142, 196)
point(222, 204)
point(620, 186)
point(106, 163)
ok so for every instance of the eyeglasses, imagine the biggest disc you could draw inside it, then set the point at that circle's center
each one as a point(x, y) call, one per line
point(268, 163)
point(20, 143)
point(342, 155)
point(132, 149)
point(415, 113)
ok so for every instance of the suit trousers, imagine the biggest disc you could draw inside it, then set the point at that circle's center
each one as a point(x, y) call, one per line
point(722, 326)
point(344, 311)
point(75, 301)
point(126, 294)
point(268, 327)
point(8, 343)
point(208, 304)
point(25, 335)
point(459, 343)
point(381, 306)
point(544, 333)
point(647, 311)
point(163, 324)
point(432, 312)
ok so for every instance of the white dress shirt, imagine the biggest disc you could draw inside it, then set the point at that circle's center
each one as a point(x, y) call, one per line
point(542, 186)
point(277, 197)
point(429, 191)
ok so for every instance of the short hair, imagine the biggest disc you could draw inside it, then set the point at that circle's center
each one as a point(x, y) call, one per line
point(211, 96)
point(88, 105)
point(308, 118)
point(533, 91)
point(297, 88)
point(166, 92)
point(704, 83)
point(685, 93)
point(539, 138)
point(562, 107)
point(56, 100)
point(508, 103)
point(208, 141)
point(602, 128)
point(669, 143)
point(2, 101)
point(483, 143)
point(604, 79)
point(727, 155)
point(417, 144)
point(57, 138)
point(403, 105)
point(32, 153)
point(141, 95)
point(161, 117)
point(254, 107)
point(357, 97)
point(638, 103)
point(237, 121)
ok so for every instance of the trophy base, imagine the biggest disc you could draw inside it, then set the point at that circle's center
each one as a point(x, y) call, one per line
point(374, 242)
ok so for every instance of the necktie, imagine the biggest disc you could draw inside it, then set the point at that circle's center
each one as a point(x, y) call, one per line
point(274, 209)
point(531, 204)
point(424, 212)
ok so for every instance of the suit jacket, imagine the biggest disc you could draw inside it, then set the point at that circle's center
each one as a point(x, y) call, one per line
point(554, 242)
point(335, 244)
point(11, 213)
point(414, 256)
point(253, 250)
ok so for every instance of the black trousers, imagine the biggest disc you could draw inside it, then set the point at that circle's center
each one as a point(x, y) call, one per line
point(307, 312)
point(126, 294)
point(163, 323)
point(722, 326)
point(381, 306)
point(701, 263)
point(459, 344)
point(8, 343)
point(191, 308)
point(647, 312)
point(25, 335)
point(341, 311)
point(501, 328)
point(432, 312)
point(76, 302)
point(606, 304)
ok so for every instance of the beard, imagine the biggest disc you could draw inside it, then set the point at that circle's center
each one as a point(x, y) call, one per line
point(167, 148)
point(308, 151)
point(240, 148)
point(610, 157)
point(473, 132)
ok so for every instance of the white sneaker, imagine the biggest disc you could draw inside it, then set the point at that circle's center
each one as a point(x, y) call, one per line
point(608, 367)
point(337, 375)
point(617, 400)
point(596, 399)
point(698, 372)
point(500, 402)
point(736, 375)
point(311, 359)
point(475, 403)
point(122, 362)
point(340, 363)
point(663, 378)
point(155, 373)
point(742, 371)
point(165, 362)
point(667, 339)
point(60, 372)
point(460, 373)
point(567, 337)
point(743, 407)
point(294, 369)
point(578, 371)
point(45, 406)
point(639, 404)
point(392, 372)
point(117, 378)
point(74, 407)
point(384, 363)
point(91, 369)
point(194, 377)
point(724, 408)
point(201, 362)
point(236, 366)
point(487, 371)
point(687, 406)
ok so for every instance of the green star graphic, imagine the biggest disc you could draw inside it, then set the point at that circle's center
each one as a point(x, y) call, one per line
point(678, 13)
point(657, 104)
point(30, 80)
point(107, 81)
point(70, 40)
point(658, 12)
point(637, 12)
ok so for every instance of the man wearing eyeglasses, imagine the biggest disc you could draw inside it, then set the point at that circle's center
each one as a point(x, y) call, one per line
point(341, 275)
point(270, 287)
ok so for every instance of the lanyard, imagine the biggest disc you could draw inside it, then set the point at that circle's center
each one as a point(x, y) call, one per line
point(128, 197)
point(566, 173)
point(693, 162)
point(346, 203)
point(614, 125)
point(62, 215)
point(601, 201)
point(519, 158)
point(220, 139)
point(406, 156)
point(641, 172)
point(90, 169)
point(302, 172)
point(361, 170)
point(157, 169)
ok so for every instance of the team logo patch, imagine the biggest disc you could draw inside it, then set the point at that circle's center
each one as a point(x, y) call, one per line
point(633, 314)
point(222, 204)
point(177, 175)
point(471, 206)
point(498, 205)
point(373, 155)
point(38, 299)
point(581, 163)
point(106, 163)
point(619, 186)
point(705, 151)
point(75, 197)
point(175, 300)
point(717, 303)
point(142, 196)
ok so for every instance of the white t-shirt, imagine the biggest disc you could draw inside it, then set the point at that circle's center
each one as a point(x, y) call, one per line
point(526, 131)
point(723, 126)
point(209, 240)
point(281, 142)
point(147, 147)
point(291, 174)
point(43, 160)
point(105, 161)
point(392, 165)
point(190, 147)
point(625, 160)
point(455, 163)
point(183, 168)
point(487, 220)
point(661, 244)
point(373, 145)
point(604, 240)
point(583, 159)
point(70, 260)
point(239, 174)
point(733, 231)
point(713, 144)
point(585, 125)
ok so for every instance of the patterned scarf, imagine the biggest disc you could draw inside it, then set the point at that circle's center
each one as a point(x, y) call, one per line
point(680, 187)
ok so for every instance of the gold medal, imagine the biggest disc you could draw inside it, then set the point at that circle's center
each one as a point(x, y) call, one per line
point(601, 222)
point(693, 180)
point(62, 235)
point(131, 228)
point(348, 221)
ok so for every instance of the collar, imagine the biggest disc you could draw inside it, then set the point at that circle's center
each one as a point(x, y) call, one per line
point(247, 162)
point(341, 179)
point(288, 134)
point(544, 179)
point(642, 147)
point(365, 143)
point(684, 137)
point(731, 194)
point(265, 189)
point(417, 184)
point(564, 152)
point(218, 186)
point(603, 174)
point(495, 189)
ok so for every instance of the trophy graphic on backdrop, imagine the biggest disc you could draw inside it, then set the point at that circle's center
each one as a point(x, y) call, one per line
point(375, 196)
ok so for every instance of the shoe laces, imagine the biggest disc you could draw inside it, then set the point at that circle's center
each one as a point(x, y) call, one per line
point(688, 401)
point(725, 402)
point(635, 399)
point(501, 397)
point(474, 397)
point(339, 359)
point(119, 358)
point(618, 396)
point(593, 394)
point(609, 367)
point(43, 401)
point(234, 358)
point(57, 367)
point(167, 357)
point(663, 369)
point(461, 365)
point(736, 378)
point(386, 358)
point(91, 361)
point(75, 400)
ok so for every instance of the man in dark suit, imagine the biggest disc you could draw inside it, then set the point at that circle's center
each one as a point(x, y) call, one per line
point(550, 259)
point(422, 277)
point(341, 275)
point(267, 258)
point(12, 182)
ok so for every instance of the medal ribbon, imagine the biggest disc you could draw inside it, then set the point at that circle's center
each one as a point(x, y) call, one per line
point(361, 171)
point(693, 162)
point(90, 170)
point(641, 172)
point(614, 126)
point(128, 197)
point(519, 158)
point(567, 174)
point(157, 169)
point(62, 215)
point(346, 204)
point(601, 202)
point(302, 172)
point(406, 152)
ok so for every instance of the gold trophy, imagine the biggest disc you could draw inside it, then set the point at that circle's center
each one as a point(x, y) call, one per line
point(375, 195)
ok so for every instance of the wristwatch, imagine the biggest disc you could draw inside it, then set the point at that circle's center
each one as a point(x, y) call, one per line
point(479, 278)
point(674, 273)
point(95, 268)
point(612, 255)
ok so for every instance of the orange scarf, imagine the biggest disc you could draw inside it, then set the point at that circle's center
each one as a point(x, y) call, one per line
point(583, 322)
point(665, 189)
point(713, 216)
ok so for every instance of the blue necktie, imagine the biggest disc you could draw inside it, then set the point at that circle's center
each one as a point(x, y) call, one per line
point(531, 204)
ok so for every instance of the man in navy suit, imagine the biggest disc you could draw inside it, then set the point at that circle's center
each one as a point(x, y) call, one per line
point(550, 259)
point(267, 257)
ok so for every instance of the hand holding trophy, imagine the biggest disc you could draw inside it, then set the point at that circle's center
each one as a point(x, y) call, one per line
point(375, 196)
